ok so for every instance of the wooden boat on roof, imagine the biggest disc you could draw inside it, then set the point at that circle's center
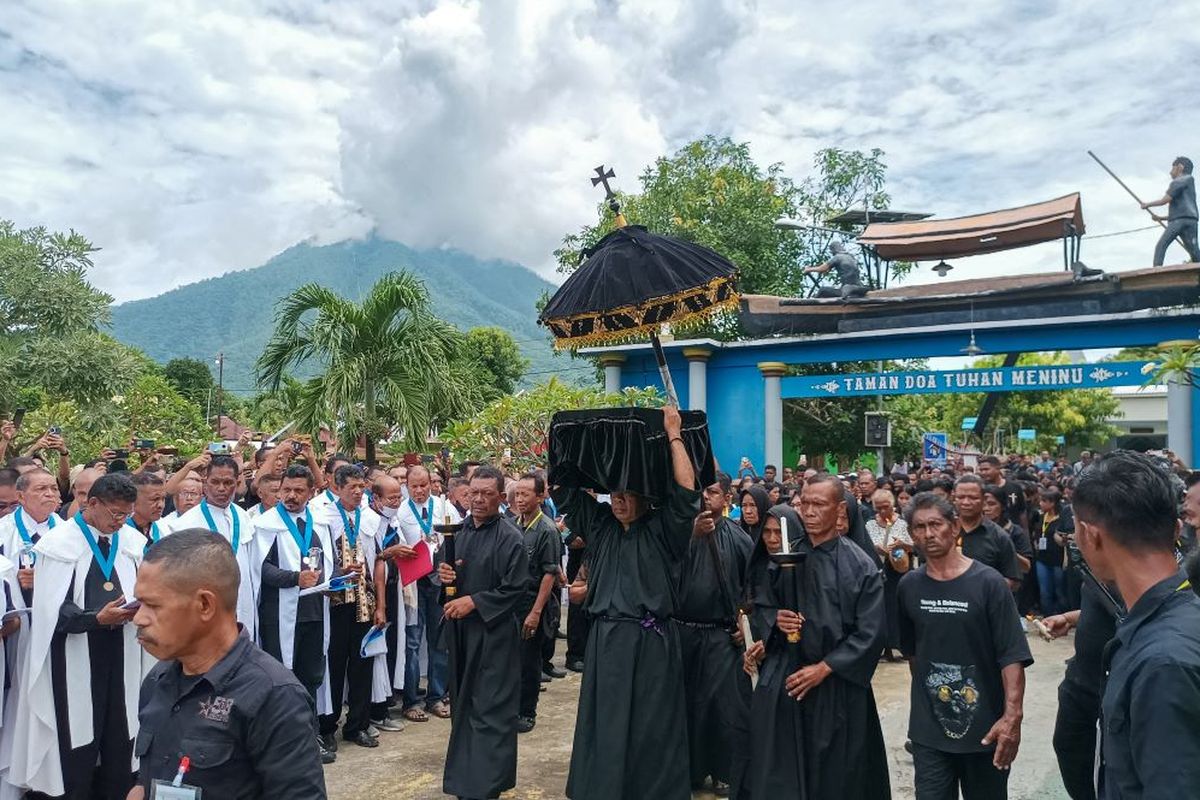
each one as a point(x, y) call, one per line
point(1074, 291)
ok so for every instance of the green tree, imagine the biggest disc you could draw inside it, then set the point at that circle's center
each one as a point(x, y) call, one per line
point(270, 411)
point(51, 321)
point(496, 361)
point(518, 424)
point(387, 364)
point(192, 378)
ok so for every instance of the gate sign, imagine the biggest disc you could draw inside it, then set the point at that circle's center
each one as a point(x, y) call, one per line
point(934, 446)
point(969, 423)
point(999, 379)
point(1026, 434)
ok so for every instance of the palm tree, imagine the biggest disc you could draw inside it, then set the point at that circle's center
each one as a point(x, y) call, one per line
point(386, 364)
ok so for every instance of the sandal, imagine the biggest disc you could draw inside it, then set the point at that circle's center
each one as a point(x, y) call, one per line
point(440, 710)
point(415, 714)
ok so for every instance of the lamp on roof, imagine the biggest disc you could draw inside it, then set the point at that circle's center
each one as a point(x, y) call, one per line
point(941, 268)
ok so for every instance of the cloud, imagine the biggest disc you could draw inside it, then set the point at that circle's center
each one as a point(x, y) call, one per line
point(192, 137)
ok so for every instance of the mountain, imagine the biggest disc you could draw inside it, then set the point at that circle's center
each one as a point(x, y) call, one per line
point(234, 313)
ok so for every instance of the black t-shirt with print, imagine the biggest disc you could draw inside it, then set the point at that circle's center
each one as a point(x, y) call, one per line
point(960, 634)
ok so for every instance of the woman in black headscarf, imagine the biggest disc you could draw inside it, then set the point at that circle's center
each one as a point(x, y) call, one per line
point(754, 503)
point(774, 716)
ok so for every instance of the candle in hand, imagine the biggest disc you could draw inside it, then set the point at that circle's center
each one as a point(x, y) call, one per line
point(783, 536)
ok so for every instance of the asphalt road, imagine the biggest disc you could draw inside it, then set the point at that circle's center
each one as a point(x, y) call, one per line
point(408, 765)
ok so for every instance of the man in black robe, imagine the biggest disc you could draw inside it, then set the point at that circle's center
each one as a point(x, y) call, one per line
point(483, 637)
point(716, 688)
point(841, 621)
point(630, 737)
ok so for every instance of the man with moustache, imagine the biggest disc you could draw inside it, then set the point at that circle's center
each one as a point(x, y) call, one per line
point(352, 530)
point(960, 630)
point(240, 717)
point(297, 553)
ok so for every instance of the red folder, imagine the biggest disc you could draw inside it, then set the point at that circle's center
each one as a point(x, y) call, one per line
point(413, 568)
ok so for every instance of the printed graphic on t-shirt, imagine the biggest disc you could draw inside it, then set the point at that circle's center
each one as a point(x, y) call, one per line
point(954, 695)
point(945, 606)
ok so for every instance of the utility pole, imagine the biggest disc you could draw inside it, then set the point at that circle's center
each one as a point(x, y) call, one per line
point(220, 392)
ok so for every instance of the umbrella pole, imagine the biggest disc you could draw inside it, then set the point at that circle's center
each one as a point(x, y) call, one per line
point(664, 370)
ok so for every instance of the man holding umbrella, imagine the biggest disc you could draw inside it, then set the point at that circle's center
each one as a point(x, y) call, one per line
point(630, 733)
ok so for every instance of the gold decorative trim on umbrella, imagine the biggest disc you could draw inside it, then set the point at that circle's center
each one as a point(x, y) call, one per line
point(628, 323)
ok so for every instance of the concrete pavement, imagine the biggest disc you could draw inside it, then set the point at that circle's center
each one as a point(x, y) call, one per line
point(408, 765)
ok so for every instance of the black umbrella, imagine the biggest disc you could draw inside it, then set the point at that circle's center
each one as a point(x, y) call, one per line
point(632, 282)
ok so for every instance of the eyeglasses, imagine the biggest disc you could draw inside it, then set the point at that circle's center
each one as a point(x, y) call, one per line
point(188, 495)
point(117, 516)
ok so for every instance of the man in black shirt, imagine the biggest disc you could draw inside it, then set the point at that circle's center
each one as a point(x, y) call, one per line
point(1181, 213)
point(980, 538)
point(541, 546)
point(1095, 624)
point(242, 720)
point(960, 629)
point(1125, 526)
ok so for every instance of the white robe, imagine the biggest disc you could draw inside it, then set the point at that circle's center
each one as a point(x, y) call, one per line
point(368, 523)
point(14, 645)
point(60, 557)
point(395, 600)
point(248, 558)
point(10, 538)
point(270, 528)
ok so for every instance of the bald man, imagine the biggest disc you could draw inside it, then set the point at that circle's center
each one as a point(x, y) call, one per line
point(213, 691)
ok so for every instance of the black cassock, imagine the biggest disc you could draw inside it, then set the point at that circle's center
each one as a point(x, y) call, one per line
point(485, 660)
point(716, 687)
point(830, 744)
point(630, 732)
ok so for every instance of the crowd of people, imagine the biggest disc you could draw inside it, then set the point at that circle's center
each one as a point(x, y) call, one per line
point(230, 622)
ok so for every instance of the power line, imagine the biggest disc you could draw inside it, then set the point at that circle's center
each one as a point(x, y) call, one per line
point(1119, 233)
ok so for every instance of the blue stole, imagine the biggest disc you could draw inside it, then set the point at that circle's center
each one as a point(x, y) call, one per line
point(21, 529)
point(212, 524)
point(425, 525)
point(351, 532)
point(303, 543)
point(105, 564)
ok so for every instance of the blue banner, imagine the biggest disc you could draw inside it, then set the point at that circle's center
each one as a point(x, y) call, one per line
point(964, 381)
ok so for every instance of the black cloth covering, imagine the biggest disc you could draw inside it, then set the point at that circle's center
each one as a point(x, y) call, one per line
point(829, 745)
point(630, 737)
point(715, 685)
point(485, 660)
point(626, 449)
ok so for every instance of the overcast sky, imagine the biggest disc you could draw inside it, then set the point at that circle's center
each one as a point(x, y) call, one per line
point(192, 137)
